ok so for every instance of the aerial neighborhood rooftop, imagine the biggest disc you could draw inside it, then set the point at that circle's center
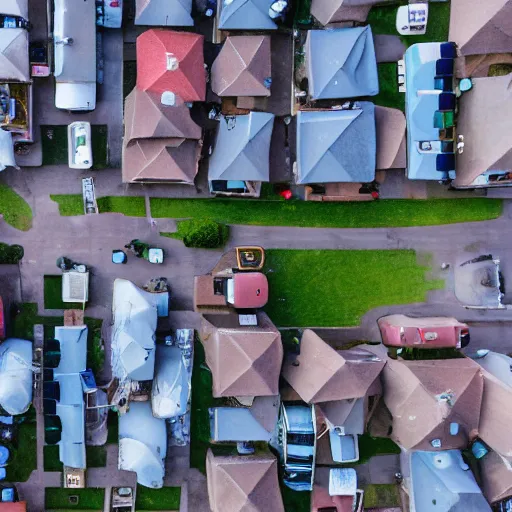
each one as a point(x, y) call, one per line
point(254, 255)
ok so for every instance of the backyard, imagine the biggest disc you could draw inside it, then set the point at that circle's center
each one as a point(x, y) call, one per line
point(23, 450)
point(14, 209)
point(166, 498)
point(53, 294)
point(61, 499)
point(376, 214)
point(334, 288)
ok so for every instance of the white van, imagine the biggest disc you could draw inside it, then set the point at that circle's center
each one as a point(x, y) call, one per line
point(74, 43)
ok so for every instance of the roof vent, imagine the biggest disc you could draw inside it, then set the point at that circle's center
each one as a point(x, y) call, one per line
point(168, 98)
point(172, 62)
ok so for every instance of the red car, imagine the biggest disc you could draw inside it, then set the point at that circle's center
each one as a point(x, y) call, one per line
point(433, 332)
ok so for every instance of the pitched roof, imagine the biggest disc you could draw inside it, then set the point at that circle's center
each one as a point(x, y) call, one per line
point(439, 481)
point(14, 64)
point(18, 506)
point(426, 397)
point(164, 13)
point(246, 15)
point(146, 117)
point(485, 113)
point(171, 61)
point(245, 361)
point(242, 67)
point(390, 138)
point(481, 27)
point(340, 63)
point(324, 374)
point(496, 477)
point(336, 146)
point(240, 484)
point(496, 413)
point(168, 159)
point(242, 148)
point(335, 11)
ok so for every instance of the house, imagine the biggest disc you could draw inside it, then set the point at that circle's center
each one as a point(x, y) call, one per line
point(143, 444)
point(15, 8)
point(322, 374)
point(435, 404)
point(339, 382)
point(430, 111)
point(161, 142)
point(242, 67)
point(245, 15)
point(481, 28)
point(16, 376)
point(164, 13)
point(133, 332)
point(340, 63)
point(336, 489)
point(336, 146)
point(15, 87)
point(254, 423)
point(241, 156)
point(485, 113)
point(496, 479)
point(65, 405)
point(240, 483)
point(18, 506)
point(245, 361)
point(172, 62)
point(338, 11)
point(443, 482)
point(496, 414)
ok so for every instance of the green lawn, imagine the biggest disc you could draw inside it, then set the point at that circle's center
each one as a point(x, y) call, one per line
point(69, 204)
point(499, 69)
point(370, 446)
point(53, 295)
point(376, 214)
point(382, 19)
point(202, 399)
point(389, 96)
point(381, 495)
point(14, 209)
point(167, 498)
point(54, 140)
point(88, 499)
point(23, 451)
point(72, 204)
point(96, 457)
point(384, 213)
point(113, 427)
point(333, 288)
point(295, 501)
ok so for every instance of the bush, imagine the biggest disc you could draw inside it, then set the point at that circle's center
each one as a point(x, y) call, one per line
point(10, 254)
point(201, 233)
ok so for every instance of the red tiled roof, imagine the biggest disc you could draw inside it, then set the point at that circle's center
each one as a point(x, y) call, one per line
point(188, 81)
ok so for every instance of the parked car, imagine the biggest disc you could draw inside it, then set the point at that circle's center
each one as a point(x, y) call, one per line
point(297, 440)
point(431, 332)
point(74, 45)
point(79, 145)
point(109, 13)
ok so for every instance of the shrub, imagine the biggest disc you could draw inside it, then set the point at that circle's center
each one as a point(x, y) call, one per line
point(10, 254)
point(202, 233)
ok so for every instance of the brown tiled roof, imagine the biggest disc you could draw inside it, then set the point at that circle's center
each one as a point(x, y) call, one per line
point(243, 484)
point(334, 11)
point(481, 27)
point(390, 127)
point(485, 114)
point(242, 67)
point(324, 374)
point(425, 397)
point(496, 477)
point(244, 360)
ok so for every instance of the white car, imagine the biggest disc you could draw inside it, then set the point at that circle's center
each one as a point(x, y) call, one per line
point(79, 145)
